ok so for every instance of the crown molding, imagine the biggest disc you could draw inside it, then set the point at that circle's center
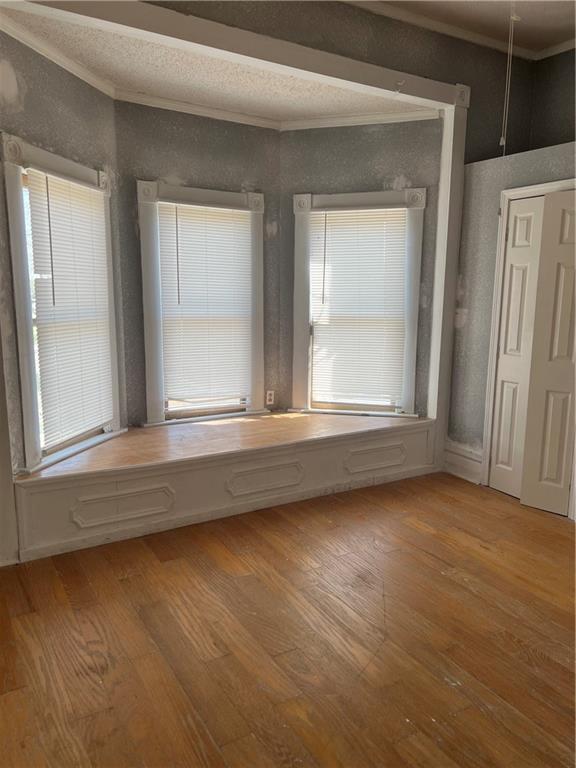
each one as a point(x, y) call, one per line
point(340, 121)
point(554, 50)
point(52, 53)
point(418, 20)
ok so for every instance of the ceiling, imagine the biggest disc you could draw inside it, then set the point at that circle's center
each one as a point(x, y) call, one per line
point(545, 27)
point(166, 73)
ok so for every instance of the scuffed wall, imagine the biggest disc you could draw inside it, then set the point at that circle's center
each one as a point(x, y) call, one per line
point(359, 34)
point(484, 182)
point(52, 109)
point(363, 159)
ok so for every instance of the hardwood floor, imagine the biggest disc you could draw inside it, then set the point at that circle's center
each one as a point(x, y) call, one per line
point(425, 623)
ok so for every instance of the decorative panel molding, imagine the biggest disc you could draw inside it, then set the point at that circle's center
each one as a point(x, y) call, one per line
point(554, 443)
point(119, 506)
point(517, 283)
point(523, 227)
point(243, 482)
point(507, 426)
point(374, 457)
point(567, 235)
point(562, 340)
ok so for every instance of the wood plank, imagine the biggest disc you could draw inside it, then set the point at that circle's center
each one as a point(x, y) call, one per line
point(427, 623)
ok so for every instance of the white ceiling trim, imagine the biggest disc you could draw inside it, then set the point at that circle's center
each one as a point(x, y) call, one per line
point(233, 44)
point(52, 53)
point(400, 14)
point(343, 120)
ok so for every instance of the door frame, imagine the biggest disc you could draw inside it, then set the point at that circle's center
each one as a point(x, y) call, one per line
point(506, 197)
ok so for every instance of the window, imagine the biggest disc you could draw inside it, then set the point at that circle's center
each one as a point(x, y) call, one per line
point(357, 280)
point(202, 270)
point(61, 264)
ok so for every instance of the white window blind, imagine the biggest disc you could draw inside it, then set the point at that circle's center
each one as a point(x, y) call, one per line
point(357, 291)
point(207, 307)
point(69, 283)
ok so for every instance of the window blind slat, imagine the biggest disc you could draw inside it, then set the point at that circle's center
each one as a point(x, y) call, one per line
point(69, 284)
point(206, 275)
point(357, 289)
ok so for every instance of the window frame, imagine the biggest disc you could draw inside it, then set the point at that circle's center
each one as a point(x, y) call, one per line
point(414, 200)
point(150, 193)
point(19, 156)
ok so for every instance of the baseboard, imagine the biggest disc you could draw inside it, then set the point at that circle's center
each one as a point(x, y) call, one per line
point(462, 461)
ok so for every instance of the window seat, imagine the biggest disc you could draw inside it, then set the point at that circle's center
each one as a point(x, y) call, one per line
point(150, 479)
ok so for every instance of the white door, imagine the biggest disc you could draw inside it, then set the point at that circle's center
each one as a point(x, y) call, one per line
point(549, 439)
point(524, 233)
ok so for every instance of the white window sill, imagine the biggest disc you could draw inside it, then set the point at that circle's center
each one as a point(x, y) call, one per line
point(210, 417)
point(72, 450)
point(341, 412)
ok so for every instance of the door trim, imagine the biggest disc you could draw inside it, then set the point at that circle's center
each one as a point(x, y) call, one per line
point(506, 197)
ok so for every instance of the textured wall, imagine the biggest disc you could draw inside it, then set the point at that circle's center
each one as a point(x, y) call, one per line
point(358, 34)
point(483, 183)
point(553, 109)
point(52, 109)
point(362, 159)
point(199, 152)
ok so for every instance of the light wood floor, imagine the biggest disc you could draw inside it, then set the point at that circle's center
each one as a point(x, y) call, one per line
point(424, 623)
point(173, 442)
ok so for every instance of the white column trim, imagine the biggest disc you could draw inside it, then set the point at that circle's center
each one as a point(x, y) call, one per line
point(301, 339)
point(450, 194)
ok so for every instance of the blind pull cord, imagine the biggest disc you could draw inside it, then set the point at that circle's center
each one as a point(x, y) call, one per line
point(324, 262)
point(513, 19)
point(50, 242)
point(177, 257)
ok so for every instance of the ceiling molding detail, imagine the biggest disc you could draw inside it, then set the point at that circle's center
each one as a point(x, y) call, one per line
point(418, 20)
point(52, 53)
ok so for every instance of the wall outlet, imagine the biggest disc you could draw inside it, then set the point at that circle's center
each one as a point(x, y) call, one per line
point(270, 397)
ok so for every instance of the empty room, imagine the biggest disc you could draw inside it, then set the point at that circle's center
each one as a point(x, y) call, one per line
point(287, 380)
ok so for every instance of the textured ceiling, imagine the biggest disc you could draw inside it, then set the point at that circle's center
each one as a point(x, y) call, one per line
point(140, 67)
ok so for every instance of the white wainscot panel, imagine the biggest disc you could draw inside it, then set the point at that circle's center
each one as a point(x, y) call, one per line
point(71, 512)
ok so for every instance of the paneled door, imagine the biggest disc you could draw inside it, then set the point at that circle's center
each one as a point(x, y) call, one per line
point(523, 239)
point(549, 440)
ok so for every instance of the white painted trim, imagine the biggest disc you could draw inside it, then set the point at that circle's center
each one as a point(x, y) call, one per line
point(414, 199)
point(188, 108)
point(450, 194)
point(340, 412)
point(51, 52)
point(506, 196)
point(29, 553)
point(215, 417)
point(554, 50)
point(23, 310)
point(72, 450)
point(149, 194)
point(401, 14)
point(19, 155)
point(170, 27)
point(463, 461)
point(340, 121)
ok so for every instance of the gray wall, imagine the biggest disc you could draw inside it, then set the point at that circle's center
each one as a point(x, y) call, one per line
point(199, 152)
point(553, 109)
point(359, 34)
point(56, 111)
point(483, 183)
point(362, 159)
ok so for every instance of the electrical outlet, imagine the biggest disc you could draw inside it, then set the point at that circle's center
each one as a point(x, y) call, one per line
point(270, 397)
